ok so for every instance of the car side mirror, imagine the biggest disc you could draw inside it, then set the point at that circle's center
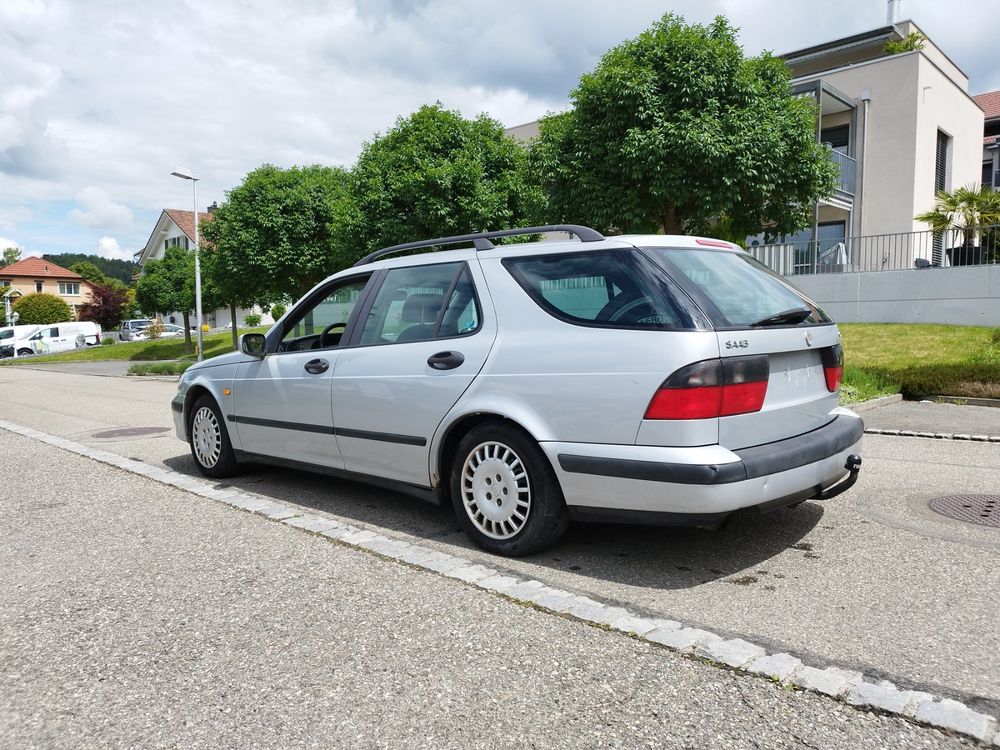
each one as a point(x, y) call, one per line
point(252, 344)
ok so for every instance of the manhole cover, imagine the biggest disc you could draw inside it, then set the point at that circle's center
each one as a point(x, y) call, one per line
point(980, 509)
point(130, 432)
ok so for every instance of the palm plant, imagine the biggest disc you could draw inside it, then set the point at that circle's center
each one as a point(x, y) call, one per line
point(968, 210)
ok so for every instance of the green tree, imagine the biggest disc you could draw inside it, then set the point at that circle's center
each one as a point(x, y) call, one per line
point(167, 285)
point(106, 305)
point(436, 174)
point(121, 270)
point(911, 42)
point(41, 309)
point(90, 272)
point(10, 255)
point(273, 236)
point(675, 130)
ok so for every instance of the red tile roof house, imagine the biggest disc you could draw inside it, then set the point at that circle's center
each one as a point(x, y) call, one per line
point(34, 275)
point(175, 228)
point(990, 102)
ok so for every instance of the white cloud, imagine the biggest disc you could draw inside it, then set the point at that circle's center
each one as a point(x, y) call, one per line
point(100, 211)
point(107, 247)
point(5, 243)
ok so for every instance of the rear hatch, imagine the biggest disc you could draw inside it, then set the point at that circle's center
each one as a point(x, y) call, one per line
point(769, 330)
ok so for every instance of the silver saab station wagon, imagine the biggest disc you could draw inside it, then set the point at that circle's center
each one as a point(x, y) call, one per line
point(650, 379)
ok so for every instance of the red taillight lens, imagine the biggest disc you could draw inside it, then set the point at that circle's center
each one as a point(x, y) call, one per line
point(712, 388)
point(833, 366)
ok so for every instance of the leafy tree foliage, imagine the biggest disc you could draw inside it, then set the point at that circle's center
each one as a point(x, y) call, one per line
point(273, 237)
point(435, 174)
point(122, 270)
point(107, 305)
point(90, 272)
point(10, 255)
point(675, 129)
point(168, 284)
point(41, 309)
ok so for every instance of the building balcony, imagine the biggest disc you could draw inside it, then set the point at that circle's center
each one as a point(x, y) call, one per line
point(847, 179)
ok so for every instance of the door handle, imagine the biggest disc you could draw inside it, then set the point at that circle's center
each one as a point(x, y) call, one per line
point(446, 360)
point(316, 366)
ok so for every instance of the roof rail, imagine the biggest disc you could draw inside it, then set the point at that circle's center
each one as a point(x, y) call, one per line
point(481, 240)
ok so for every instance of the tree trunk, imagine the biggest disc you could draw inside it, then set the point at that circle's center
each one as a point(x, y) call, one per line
point(232, 321)
point(187, 332)
point(670, 221)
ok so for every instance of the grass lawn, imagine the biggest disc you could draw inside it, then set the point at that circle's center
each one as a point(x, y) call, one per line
point(920, 360)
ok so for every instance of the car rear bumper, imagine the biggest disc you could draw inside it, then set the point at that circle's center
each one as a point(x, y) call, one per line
point(704, 484)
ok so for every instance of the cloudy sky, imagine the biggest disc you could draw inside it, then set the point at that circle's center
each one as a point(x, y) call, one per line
point(100, 100)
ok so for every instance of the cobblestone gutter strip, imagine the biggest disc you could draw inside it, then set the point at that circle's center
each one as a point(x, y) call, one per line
point(936, 435)
point(735, 653)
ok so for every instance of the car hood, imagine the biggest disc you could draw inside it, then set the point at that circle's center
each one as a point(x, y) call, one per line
point(232, 358)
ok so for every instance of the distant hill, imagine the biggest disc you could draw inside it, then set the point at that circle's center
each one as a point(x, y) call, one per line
point(116, 269)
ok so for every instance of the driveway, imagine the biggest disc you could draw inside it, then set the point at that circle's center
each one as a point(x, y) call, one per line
point(872, 580)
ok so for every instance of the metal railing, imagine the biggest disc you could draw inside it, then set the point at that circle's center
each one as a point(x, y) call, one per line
point(883, 252)
point(848, 171)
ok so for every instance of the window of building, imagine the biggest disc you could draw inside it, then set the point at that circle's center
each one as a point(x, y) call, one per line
point(943, 149)
point(181, 241)
point(4, 283)
point(836, 138)
point(69, 289)
point(39, 285)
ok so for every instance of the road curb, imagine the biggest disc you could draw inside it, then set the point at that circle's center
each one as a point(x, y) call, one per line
point(848, 687)
point(935, 435)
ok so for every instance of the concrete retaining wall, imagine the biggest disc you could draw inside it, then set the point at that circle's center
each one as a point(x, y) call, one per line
point(961, 296)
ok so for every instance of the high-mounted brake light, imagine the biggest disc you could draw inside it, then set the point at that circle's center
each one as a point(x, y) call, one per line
point(714, 243)
point(712, 388)
point(833, 366)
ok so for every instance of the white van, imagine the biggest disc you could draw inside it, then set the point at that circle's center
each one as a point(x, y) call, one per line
point(59, 337)
point(10, 334)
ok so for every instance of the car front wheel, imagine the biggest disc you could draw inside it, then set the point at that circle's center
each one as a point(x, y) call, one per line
point(505, 493)
point(209, 439)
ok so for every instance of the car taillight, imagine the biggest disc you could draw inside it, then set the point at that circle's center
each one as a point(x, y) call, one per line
point(833, 366)
point(712, 388)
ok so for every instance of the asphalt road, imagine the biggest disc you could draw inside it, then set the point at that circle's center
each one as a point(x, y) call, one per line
point(871, 580)
point(133, 614)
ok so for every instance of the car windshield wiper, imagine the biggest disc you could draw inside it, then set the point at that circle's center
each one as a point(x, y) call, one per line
point(785, 317)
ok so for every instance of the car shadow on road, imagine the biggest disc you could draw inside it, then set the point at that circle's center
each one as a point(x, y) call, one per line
point(649, 556)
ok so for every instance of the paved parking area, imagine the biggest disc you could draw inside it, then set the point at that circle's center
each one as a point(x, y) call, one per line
point(133, 614)
point(872, 580)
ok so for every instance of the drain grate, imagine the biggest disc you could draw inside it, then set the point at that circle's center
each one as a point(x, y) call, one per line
point(979, 509)
point(130, 432)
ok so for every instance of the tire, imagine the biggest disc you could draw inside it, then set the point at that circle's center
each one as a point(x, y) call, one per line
point(25, 352)
point(505, 493)
point(210, 448)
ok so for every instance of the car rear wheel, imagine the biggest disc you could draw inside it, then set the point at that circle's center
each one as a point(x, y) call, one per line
point(505, 493)
point(209, 439)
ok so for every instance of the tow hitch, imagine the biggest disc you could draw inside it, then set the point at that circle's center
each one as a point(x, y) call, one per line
point(853, 466)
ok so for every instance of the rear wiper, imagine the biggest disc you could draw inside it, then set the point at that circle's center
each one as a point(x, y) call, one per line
point(790, 317)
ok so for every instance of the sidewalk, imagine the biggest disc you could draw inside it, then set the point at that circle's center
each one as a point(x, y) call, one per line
point(921, 416)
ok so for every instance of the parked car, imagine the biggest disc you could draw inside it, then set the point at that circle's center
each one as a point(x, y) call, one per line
point(58, 337)
point(169, 331)
point(653, 379)
point(10, 334)
point(128, 328)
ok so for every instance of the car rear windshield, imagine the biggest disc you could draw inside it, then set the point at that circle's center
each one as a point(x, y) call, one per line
point(735, 290)
point(607, 289)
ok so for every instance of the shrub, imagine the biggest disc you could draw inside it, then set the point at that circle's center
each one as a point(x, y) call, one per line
point(41, 309)
point(155, 329)
point(277, 310)
point(252, 320)
point(108, 340)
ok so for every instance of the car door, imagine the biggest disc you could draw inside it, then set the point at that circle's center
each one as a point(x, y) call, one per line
point(282, 404)
point(423, 341)
point(50, 340)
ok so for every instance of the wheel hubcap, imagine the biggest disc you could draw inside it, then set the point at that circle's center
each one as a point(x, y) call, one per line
point(495, 490)
point(206, 437)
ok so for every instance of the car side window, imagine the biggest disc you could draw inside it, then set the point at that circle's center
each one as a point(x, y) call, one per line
point(321, 324)
point(420, 303)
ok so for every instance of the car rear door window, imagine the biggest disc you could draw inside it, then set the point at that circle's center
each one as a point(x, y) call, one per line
point(608, 289)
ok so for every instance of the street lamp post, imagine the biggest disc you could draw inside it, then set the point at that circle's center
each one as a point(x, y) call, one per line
point(185, 174)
